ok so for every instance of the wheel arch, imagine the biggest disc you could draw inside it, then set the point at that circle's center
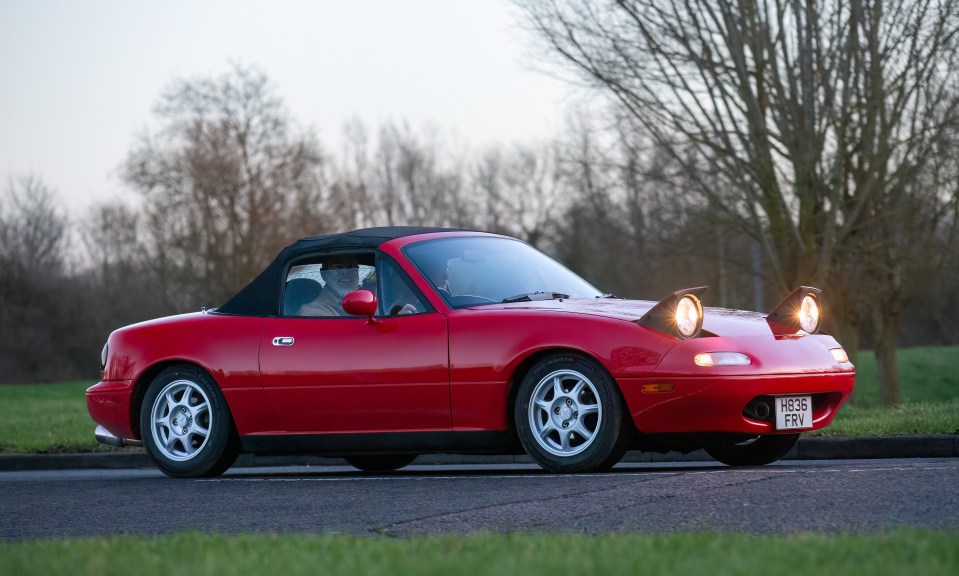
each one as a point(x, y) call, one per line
point(527, 363)
point(146, 377)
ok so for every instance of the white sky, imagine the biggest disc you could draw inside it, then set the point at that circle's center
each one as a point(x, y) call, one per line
point(78, 80)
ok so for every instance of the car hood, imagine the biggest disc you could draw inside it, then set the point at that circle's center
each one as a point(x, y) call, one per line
point(719, 321)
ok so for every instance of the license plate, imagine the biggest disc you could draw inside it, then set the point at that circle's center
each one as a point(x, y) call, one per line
point(793, 412)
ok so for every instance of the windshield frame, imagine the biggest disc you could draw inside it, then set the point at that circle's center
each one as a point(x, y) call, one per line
point(417, 243)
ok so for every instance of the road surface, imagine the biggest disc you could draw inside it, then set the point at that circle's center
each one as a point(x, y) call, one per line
point(790, 496)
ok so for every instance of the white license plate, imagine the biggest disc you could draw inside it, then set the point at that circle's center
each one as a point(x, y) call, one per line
point(793, 412)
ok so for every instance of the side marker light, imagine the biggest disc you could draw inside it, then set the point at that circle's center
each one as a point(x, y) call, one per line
point(661, 388)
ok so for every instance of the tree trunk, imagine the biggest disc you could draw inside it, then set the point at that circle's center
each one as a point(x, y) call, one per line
point(887, 328)
point(847, 334)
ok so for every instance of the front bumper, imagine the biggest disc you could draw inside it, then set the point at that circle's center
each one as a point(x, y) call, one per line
point(716, 403)
point(109, 405)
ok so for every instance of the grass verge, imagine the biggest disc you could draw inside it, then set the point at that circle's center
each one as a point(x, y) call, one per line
point(940, 418)
point(903, 552)
point(46, 418)
point(927, 374)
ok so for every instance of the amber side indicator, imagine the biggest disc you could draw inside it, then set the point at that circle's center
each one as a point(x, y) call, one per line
point(658, 388)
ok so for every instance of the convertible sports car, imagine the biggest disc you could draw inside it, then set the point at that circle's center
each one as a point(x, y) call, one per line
point(381, 344)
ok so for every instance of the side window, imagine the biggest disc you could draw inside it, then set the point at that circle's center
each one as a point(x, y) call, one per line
point(397, 295)
point(316, 286)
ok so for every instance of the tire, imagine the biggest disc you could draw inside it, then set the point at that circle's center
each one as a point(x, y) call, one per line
point(210, 444)
point(570, 417)
point(762, 450)
point(381, 462)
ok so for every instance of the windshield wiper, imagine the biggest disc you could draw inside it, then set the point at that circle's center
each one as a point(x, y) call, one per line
point(535, 296)
point(606, 296)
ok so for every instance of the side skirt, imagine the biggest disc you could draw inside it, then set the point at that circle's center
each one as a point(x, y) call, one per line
point(486, 442)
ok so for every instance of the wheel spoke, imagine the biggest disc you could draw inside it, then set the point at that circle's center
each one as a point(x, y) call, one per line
point(188, 444)
point(199, 408)
point(577, 389)
point(546, 431)
point(557, 387)
point(170, 443)
point(170, 402)
point(543, 405)
point(564, 438)
point(585, 409)
point(197, 429)
point(582, 431)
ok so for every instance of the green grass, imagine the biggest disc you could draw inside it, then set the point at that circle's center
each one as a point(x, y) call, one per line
point(903, 552)
point(924, 418)
point(53, 417)
point(46, 418)
point(927, 374)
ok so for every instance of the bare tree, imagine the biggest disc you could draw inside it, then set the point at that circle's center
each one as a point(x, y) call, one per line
point(414, 182)
point(32, 229)
point(816, 115)
point(226, 182)
point(39, 313)
point(521, 190)
point(403, 177)
point(119, 270)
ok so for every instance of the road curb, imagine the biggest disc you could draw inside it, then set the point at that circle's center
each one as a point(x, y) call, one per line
point(812, 448)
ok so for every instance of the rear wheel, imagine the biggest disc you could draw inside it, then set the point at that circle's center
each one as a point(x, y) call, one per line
point(381, 463)
point(570, 417)
point(755, 451)
point(186, 425)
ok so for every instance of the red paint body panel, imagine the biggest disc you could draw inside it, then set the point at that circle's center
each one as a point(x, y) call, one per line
point(348, 374)
point(488, 344)
point(453, 369)
point(225, 346)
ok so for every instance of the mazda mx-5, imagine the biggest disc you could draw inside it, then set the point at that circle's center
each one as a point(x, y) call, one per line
point(377, 345)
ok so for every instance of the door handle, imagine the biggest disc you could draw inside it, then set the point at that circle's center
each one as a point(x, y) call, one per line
point(283, 341)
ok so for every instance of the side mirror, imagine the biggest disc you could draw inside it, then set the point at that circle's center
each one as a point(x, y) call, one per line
point(360, 303)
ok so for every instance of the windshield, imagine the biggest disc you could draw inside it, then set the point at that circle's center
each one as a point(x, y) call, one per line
point(471, 271)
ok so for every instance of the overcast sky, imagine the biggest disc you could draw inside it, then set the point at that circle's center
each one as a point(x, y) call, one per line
point(78, 80)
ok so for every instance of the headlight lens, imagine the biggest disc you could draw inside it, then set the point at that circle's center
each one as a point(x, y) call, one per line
point(809, 314)
point(722, 359)
point(689, 314)
point(839, 355)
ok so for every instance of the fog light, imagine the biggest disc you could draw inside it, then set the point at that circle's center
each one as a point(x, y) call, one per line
point(722, 359)
point(839, 355)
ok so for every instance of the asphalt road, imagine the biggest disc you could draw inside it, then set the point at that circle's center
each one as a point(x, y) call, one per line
point(846, 495)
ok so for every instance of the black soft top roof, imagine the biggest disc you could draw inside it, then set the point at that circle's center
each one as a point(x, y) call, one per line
point(261, 297)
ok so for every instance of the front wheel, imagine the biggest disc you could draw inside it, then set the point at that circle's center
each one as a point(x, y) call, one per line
point(186, 425)
point(755, 451)
point(381, 463)
point(570, 417)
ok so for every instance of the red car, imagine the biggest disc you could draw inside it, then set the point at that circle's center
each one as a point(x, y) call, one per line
point(381, 344)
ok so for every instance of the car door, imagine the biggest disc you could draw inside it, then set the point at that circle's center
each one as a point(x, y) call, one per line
point(326, 374)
